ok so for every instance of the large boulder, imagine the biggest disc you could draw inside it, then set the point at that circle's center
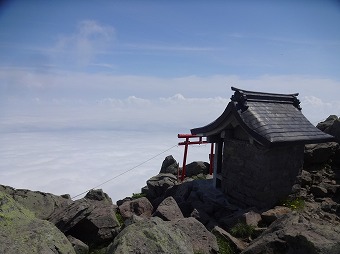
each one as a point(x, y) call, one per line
point(297, 233)
point(169, 165)
point(43, 205)
point(168, 210)
point(273, 214)
point(21, 232)
point(320, 153)
point(331, 126)
point(140, 207)
point(197, 167)
point(91, 221)
point(153, 236)
point(157, 185)
point(78, 246)
point(234, 242)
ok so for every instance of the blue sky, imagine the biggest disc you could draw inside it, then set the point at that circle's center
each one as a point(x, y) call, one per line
point(150, 66)
point(172, 38)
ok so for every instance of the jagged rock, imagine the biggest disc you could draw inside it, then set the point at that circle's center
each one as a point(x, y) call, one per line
point(331, 188)
point(330, 206)
point(98, 195)
point(140, 207)
point(169, 165)
point(296, 233)
point(320, 153)
point(235, 243)
point(133, 219)
point(122, 201)
point(168, 210)
point(91, 221)
point(318, 191)
point(202, 240)
point(251, 218)
point(21, 232)
point(153, 236)
point(271, 215)
point(180, 192)
point(205, 197)
point(327, 123)
point(197, 167)
point(158, 184)
point(331, 126)
point(201, 216)
point(40, 203)
point(305, 178)
point(231, 216)
point(78, 246)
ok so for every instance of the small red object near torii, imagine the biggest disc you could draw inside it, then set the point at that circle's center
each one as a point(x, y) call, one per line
point(186, 143)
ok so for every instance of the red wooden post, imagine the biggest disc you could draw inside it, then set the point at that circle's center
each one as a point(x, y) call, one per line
point(186, 143)
point(185, 158)
point(211, 168)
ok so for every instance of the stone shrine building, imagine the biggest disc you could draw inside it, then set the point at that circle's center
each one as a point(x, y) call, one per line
point(259, 146)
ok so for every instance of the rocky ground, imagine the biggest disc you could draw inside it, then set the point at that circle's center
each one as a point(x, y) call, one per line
point(187, 217)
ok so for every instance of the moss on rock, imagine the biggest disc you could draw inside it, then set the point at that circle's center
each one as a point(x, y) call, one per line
point(21, 232)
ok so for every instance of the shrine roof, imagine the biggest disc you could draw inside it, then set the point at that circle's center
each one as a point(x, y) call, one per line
point(271, 119)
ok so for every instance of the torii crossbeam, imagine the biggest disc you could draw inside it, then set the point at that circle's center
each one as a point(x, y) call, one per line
point(186, 143)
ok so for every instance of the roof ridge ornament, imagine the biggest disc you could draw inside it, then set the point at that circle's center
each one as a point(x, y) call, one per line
point(241, 97)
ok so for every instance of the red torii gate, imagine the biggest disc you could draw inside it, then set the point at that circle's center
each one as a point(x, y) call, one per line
point(186, 143)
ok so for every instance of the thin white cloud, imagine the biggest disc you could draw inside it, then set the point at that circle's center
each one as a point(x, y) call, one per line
point(287, 40)
point(90, 39)
point(317, 109)
point(160, 47)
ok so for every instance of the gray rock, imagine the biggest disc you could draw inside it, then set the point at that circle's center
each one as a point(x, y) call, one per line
point(202, 240)
point(318, 191)
point(43, 205)
point(305, 178)
point(140, 207)
point(98, 195)
point(168, 210)
point(201, 216)
point(91, 221)
point(133, 219)
point(331, 126)
point(158, 185)
point(320, 153)
point(122, 201)
point(251, 218)
point(180, 192)
point(330, 206)
point(235, 243)
point(78, 246)
point(197, 167)
point(327, 123)
point(273, 214)
point(293, 233)
point(21, 232)
point(158, 236)
point(169, 165)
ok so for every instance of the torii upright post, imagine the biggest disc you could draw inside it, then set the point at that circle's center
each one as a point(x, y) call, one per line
point(186, 143)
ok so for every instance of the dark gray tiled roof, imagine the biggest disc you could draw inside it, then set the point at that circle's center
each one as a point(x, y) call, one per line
point(271, 119)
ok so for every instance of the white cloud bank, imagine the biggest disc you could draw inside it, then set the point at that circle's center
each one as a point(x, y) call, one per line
point(75, 161)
